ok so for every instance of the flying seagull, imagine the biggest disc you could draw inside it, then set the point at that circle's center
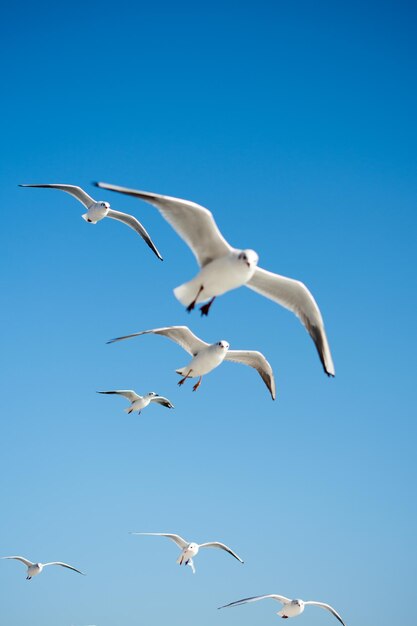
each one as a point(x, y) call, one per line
point(223, 267)
point(207, 356)
point(137, 403)
point(35, 568)
point(191, 549)
point(291, 608)
point(98, 210)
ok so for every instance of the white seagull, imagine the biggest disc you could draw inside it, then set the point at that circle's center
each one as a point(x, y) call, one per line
point(207, 356)
point(35, 568)
point(191, 549)
point(137, 402)
point(291, 608)
point(97, 210)
point(224, 268)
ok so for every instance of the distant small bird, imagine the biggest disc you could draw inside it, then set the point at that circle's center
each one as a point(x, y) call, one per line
point(97, 210)
point(224, 268)
point(35, 568)
point(191, 549)
point(291, 608)
point(207, 357)
point(137, 402)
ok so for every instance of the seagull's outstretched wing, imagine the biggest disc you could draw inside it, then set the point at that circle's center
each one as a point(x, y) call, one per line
point(258, 361)
point(222, 546)
point(137, 226)
point(182, 335)
point(294, 295)
point(19, 558)
point(127, 393)
point(163, 401)
point(181, 543)
point(328, 608)
point(192, 222)
point(74, 569)
point(273, 596)
point(75, 191)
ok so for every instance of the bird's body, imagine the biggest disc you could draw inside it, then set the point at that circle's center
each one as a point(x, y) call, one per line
point(217, 277)
point(206, 360)
point(223, 267)
point(207, 357)
point(98, 210)
point(137, 402)
point(189, 549)
point(33, 569)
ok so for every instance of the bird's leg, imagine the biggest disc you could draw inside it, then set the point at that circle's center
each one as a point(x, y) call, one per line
point(182, 381)
point(192, 305)
point(206, 307)
point(196, 386)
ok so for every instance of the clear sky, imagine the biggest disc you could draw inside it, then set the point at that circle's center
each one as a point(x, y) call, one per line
point(295, 123)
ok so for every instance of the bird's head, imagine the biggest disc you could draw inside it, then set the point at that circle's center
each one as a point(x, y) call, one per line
point(222, 345)
point(249, 257)
point(298, 603)
point(192, 546)
point(104, 205)
point(152, 394)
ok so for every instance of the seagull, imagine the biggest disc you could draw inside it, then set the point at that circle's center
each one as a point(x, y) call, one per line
point(137, 403)
point(207, 356)
point(223, 267)
point(291, 608)
point(35, 568)
point(191, 549)
point(98, 210)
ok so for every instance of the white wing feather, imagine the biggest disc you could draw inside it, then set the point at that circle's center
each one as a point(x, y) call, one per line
point(258, 361)
point(182, 335)
point(294, 295)
point(192, 222)
point(73, 190)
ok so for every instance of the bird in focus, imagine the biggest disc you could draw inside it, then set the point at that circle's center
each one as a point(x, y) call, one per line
point(97, 210)
point(190, 549)
point(206, 357)
point(291, 608)
point(33, 569)
point(137, 402)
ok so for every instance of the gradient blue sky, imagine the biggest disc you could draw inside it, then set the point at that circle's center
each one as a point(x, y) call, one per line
point(295, 123)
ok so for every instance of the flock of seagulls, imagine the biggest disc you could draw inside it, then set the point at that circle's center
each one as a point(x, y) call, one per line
point(222, 268)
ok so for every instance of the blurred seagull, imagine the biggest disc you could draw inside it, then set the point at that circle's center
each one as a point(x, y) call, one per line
point(224, 268)
point(35, 568)
point(207, 356)
point(189, 550)
point(137, 403)
point(98, 210)
point(291, 608)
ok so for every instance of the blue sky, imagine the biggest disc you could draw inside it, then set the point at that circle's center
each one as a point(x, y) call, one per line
point(295, 124)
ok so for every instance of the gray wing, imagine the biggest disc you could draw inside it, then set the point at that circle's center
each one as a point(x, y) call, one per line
point(127, 393)
point(258, 361)
point(328, 608)
point(222, 546)
point(182, 335)
point(74, 569)
point(73, 190)
point(294, 295)
point(137, 226)
point(163, 401)
point(181, 543)
point(19, 558)
point(273, 596)
point(192, 222)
